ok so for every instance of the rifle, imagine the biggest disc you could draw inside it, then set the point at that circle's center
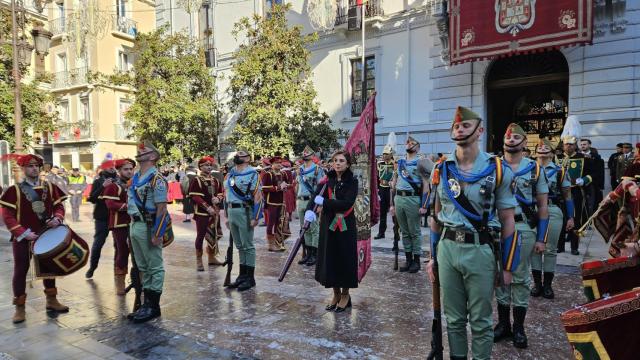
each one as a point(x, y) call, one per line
point(436, 326)
point(298, 243)
point(228, 261)
point(135, 284)
point(396, 234)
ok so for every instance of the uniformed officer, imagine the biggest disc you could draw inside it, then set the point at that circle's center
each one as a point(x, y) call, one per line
point(243, 196)
point(407, 201)
point(274, 184)
point(471, 186)
point(559, 198)
point(386, 168)
point(147, 206)
point(77, 185)
point(623, 161)
point(308, 176)
point(206, 193)
point(579, 170)
point(532, 221)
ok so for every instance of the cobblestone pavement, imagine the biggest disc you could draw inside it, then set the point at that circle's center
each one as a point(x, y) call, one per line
point(390, 318)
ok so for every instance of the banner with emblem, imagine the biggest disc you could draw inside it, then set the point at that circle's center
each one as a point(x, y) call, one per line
point(361, 145)
point(487, 29)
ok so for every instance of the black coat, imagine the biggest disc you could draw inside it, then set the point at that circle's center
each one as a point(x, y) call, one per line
point(337, 264)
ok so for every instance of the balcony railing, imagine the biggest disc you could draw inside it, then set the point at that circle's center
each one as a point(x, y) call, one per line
point(75, 131)
point(69, 78)
point(57, 26)
point(125, 25)
point(123, 132)
point(373, 8)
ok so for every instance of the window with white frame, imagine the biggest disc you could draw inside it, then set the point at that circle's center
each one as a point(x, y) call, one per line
point(360, 91)
point(124, 107)
point(63, 110)
point(125, 60)
point(85, 111)
point(121, 8)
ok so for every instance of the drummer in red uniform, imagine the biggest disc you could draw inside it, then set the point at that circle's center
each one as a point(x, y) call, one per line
point(29, 208)
point(115, 197)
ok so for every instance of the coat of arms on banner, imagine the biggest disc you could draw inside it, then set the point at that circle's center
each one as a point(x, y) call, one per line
point(513, 16)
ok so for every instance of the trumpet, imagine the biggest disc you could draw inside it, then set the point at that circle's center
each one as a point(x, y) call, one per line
point(581, 231)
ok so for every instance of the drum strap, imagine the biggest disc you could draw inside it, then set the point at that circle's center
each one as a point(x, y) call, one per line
point(33, 197)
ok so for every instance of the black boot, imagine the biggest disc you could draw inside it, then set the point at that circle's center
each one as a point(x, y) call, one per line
point(407, 265)
point(249, 280)
point(537, 283)
point(503, 328)
point(240, 278)
point(89, 273)
point(150, 312)
point(305, 258)
point(415, 265)
point(136, 309)
point(547, 291)
point(379, 236)
point(519, 337)
point(313, 258)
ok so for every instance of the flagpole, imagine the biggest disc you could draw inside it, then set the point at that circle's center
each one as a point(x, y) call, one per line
point(364, 83)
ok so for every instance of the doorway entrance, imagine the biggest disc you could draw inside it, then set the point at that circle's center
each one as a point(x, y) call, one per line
point(531, 90)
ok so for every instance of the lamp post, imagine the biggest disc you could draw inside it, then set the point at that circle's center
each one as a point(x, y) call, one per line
point(22, 56)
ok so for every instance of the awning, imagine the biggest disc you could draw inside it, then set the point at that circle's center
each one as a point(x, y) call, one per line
point(486, 29)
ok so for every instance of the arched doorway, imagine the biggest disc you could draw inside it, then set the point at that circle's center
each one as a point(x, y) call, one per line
point(531, 90)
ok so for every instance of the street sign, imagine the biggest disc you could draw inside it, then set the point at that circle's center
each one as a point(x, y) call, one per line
point(5, 164)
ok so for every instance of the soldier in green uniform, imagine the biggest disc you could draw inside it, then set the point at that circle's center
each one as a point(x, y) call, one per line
point(532, 221)
point(559, 198)
point(623, 161)
point(243, 196)
point(385, 175)
point(147, 206)
point(307, 178)
point(579, 169)
point(473, 203)
point(407, 201)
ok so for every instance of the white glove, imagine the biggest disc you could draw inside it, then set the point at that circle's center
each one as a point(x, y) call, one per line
point(319, 200)
point(310, 216)
point(579, 182)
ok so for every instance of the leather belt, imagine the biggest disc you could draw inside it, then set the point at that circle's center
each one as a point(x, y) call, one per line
point(464, 237)
point(519, 218)
point(137, 218)
point(406, 193)
point(236, 205)
point(304, 198)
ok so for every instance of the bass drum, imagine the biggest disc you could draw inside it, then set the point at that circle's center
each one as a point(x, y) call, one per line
point(59, 252)
point(611, 276)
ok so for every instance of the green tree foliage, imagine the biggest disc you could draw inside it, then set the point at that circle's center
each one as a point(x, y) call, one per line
point(35, 120)
point(271, 92)
point(174, 106)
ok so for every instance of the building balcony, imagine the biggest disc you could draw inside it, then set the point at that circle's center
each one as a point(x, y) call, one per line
point(123, 132)
point(125, 25)
point(69, 78)
point(58, 26)
point(73, 132)
point(348, 8)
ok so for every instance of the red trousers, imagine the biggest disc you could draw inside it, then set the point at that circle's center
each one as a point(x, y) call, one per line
point(121, 258)
point(273, 218)
point(21, 257)
point(201, 230)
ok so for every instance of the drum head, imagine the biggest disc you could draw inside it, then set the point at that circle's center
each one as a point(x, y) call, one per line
point(50, 239)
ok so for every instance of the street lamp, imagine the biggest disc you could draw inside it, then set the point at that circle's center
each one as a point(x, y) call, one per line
point(42, 40)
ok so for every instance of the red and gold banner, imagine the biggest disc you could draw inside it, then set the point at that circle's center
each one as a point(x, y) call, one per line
point(486, 29)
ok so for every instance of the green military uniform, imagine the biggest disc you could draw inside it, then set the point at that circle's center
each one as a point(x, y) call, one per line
point(407, 202)
point(465, 258)
point(77, 185)
point(241, 188)
point(526, 177)
point(307, 179)
point(579, 169)
point(385, 175)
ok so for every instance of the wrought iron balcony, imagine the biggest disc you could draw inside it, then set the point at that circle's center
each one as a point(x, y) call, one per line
point(125, 25)
point(58, 26)
point(373, 8)
point(69, 78)
point(73, 131)
point(341, 14)
point(123, 132)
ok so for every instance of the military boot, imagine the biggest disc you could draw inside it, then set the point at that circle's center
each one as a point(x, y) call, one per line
point(537, 283)
point(151, 309)
point(313, 258)
point(240, 279)
point(519, 337)
point(407, 264)
point(415, 265)
point(547, 291)
point(52, 301)
point(305, 258)
point(249, 280)
point(20, 315)
point(503, 329)
point(199, 265)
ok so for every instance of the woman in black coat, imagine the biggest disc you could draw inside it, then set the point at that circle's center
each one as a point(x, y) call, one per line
point(337, 265)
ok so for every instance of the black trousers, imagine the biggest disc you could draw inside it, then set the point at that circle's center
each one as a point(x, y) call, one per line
point(385, 203)
point(99, 238)
point(580, 216)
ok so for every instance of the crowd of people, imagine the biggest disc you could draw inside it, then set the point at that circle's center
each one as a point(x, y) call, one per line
point(496, 222)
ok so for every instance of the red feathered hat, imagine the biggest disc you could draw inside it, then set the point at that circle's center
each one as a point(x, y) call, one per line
point(108, 164)
point(206, 159)
point(122, 162)
point(23, 160)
